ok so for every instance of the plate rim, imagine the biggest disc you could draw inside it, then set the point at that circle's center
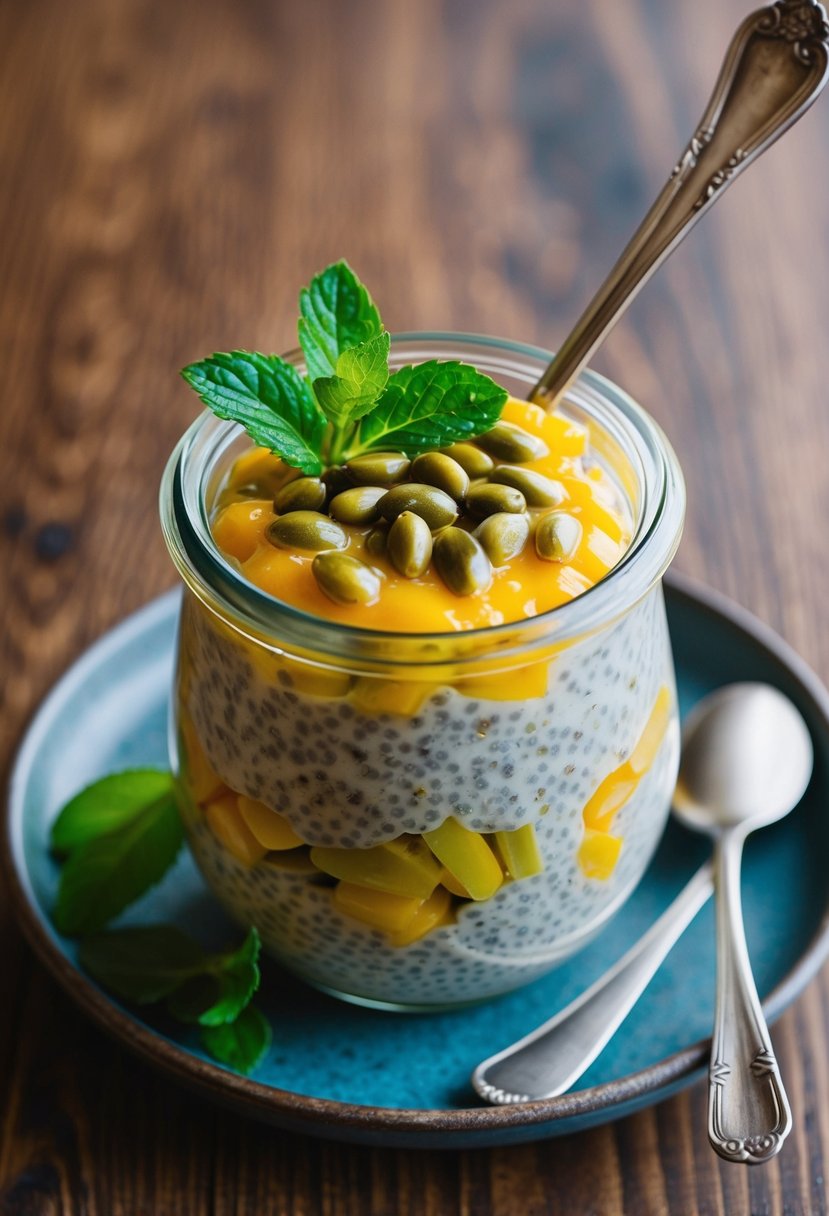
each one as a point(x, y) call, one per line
point(325, 1115)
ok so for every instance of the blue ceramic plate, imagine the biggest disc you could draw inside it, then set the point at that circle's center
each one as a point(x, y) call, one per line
point(356, 1074)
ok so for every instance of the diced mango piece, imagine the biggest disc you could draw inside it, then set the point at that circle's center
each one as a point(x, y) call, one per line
point(609, 798)
point(297, 861)
point(467, 856)
point(434, 911)
point(598, 854)
point(403, 867)
point(452, 885)
point(240, 527)
point(520, 852)
point(271, 829)
point(644, 754)
point(404, 697)
point(318, 681)
point(519, 685)
point(201, 780)
point(376, 908)
point(230, 829)
point(618, 786)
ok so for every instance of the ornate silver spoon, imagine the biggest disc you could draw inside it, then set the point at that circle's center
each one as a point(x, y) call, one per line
point(773, 70)
point(747, 758)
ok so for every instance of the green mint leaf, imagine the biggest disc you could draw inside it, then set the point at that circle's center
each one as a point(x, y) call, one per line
point(336, 313)
point(268, 397)
point(362, 372)
point(106, 805)
point(223, 989)
point(142, 964)
point(238, 975)
point(107, 873)
point(150, 964)
point(430, 405)
point(241, 1044)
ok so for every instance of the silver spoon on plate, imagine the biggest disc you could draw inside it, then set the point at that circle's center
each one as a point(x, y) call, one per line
point(747, 760)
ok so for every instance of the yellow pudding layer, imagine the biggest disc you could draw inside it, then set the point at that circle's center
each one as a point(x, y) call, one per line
point(522, 588)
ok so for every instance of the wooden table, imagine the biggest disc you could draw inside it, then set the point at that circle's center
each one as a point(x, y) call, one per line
point(172, 172)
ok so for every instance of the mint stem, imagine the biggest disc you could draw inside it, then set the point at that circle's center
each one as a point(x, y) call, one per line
point(339, 443)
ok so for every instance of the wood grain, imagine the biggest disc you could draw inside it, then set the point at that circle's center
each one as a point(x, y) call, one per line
point(171, 174)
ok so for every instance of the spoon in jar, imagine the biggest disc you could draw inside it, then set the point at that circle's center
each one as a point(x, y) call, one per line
point(774, 68)
point(747, 760)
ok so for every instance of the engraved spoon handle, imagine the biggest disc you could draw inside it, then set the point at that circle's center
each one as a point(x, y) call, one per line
point(548, 1061)
point(775, 67)
point(748, 1111)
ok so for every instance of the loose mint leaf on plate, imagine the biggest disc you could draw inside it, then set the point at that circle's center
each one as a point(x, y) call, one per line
point(223, 989)
point(108, 804)
point(269, 398)
point(337, 313)
point(430, 405)
point(150, 964)
point(241, 1044)
point(106, 873)
point(362, 372)
point(142, 964)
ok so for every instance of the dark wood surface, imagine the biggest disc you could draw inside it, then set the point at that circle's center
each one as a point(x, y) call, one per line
point(172, 171)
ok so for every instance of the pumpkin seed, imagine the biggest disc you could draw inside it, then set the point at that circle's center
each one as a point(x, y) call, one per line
point(376, 540)
point(335, 480)
point(474, 461)
point(461, 562)
point(345, 579)
point(538, 490)
point(307, 530)
point(378, 468)
point(430, 503)
point(488, 498)
point(357, 505)
point(438, 469)
point(409, 544)
point(303, 494)
point(557, 536)
point(503, 536)
point(509, 442)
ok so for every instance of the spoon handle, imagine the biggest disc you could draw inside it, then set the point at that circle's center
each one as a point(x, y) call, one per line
point(548, 1061)
point(774, 68)
point(748, 1111)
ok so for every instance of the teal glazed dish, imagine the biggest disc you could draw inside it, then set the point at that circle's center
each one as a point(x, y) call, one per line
point(360, 1075)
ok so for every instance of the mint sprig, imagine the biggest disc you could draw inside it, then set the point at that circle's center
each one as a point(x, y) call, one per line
point(349, 403)
point(118, 837)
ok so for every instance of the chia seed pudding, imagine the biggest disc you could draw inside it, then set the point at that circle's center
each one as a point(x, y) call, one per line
point(551, 752)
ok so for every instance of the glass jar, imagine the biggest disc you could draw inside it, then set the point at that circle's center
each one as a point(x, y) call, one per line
point(441, 817)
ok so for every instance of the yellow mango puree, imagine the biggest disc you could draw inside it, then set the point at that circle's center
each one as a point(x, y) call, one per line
point(525, 587)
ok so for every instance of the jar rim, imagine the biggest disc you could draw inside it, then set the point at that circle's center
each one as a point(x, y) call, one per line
point(261, 615)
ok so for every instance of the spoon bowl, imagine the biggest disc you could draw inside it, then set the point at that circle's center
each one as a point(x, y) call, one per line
point(746, 760)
